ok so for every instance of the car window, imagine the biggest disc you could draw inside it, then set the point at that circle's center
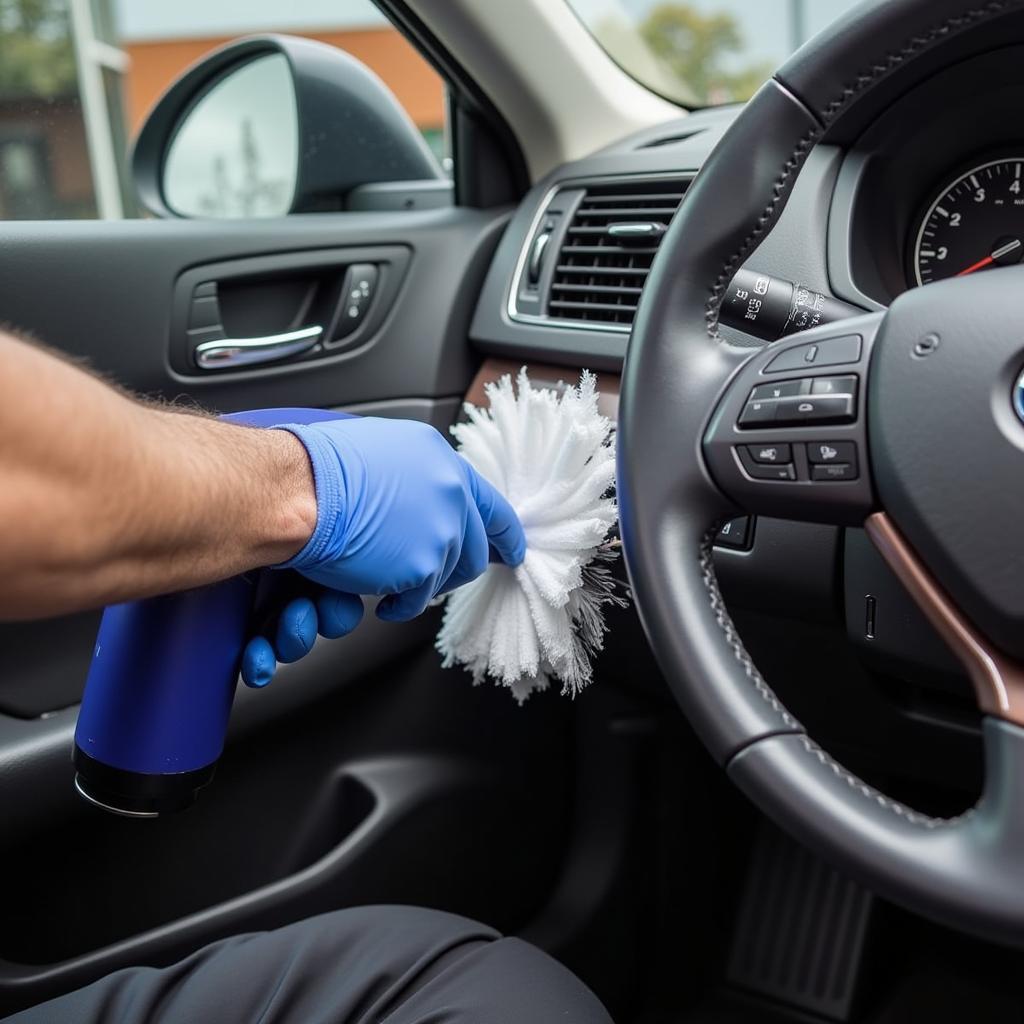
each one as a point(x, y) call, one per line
point(77, 78)
point(704, 52)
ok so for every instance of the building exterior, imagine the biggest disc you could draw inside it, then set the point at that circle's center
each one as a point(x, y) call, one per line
point(155, 63)
point(77, 78)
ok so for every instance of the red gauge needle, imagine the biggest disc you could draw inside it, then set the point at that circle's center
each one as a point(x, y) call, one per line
point(1003, 250)
point(977, 266)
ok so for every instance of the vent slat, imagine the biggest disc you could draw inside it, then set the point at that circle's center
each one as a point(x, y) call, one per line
point(602, 232)
point(565, 268)
point(610, 250)
point(592, 307)
point(659, 197)
point(596, 278)
point(591, 230)
point(628, 212)
point(598, 289)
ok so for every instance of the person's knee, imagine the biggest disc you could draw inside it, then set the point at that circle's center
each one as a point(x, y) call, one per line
point(504, 981)
point(415, 931)
point(402, 965)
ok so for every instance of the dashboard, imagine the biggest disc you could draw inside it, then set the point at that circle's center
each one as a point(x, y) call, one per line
point(931, 188)
point(925, 184)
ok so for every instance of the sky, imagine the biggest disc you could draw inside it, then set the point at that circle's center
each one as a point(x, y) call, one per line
point(158, 19)
point(766, 23)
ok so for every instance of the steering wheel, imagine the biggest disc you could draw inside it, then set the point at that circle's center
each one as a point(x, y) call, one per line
point(907, 422)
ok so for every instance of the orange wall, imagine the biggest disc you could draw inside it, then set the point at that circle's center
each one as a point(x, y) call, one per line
point(72, 175)
point(154, 65)
point(60, 121)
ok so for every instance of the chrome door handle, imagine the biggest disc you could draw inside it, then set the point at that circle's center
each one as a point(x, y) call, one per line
point(225, 353)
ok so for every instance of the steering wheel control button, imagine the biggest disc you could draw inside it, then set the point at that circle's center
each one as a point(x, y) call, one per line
point(784, 389)
point(785, 473)
point(770, 454)
point(834, 386)
point(766, 470)
point(757, 413)
point(736, 534)
point(795, 446)
point(810, 409)
point(830, 352)
point(827, 453)
point(834, 471)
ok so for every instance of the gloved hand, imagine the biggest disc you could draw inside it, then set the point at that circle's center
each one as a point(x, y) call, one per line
point(399, 514)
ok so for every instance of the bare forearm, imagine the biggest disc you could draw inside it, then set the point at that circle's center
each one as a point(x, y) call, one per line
point(103, 499)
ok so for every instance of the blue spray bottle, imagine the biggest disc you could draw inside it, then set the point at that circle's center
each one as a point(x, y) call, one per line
point(162, 680)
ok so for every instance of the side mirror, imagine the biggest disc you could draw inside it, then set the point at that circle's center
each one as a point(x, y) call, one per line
point(270, 125)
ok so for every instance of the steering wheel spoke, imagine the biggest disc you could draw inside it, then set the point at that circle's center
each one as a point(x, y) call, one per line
point(998, 680)
point(789, 438)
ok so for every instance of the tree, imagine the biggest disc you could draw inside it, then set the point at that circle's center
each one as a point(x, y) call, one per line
point(696, 48)
point(37, 57)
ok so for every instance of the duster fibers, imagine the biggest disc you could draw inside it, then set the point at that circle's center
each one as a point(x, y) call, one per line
point(553, 456)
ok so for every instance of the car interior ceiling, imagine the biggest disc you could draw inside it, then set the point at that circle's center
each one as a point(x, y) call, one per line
point(599, 828)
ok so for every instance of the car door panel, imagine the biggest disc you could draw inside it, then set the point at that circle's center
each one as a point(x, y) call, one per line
point(103, 291)
point(365, 772)
point(399, 789)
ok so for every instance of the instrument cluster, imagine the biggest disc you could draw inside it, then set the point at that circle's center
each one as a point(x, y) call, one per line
point(973, 222)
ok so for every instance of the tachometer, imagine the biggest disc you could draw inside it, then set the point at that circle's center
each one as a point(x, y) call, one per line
point(974, 224)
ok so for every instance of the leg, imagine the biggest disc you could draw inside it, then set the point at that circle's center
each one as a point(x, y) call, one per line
point(401, 965)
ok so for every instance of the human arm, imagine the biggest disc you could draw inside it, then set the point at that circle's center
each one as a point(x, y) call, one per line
point(107, 499)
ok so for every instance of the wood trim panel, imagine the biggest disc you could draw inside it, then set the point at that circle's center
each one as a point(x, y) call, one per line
point(548, 376)
point(998, 680)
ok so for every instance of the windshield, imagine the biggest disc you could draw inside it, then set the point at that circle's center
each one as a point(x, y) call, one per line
point(704, 52)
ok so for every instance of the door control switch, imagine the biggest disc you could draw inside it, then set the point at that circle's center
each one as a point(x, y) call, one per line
point(357, 292)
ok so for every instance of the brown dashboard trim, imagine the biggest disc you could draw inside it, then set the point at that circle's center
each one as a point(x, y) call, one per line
point(545, 375)
point(998, 680)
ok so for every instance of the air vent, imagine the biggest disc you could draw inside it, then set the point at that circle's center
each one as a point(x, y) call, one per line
point(608, 250)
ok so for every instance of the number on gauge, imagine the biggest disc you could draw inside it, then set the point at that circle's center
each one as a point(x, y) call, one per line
point(975, 224)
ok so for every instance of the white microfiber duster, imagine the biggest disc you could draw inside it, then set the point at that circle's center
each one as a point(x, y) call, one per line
point(553, 456)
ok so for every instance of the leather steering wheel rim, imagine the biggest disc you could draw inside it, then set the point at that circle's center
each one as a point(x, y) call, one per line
point(965, 872)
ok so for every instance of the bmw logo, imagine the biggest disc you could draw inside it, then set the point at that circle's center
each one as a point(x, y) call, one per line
point(1018, 397)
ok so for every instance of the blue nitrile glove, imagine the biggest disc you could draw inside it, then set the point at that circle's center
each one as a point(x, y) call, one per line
point(330, 614)
point(400, 514)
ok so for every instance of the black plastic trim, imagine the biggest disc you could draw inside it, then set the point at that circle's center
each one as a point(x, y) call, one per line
point(481, 115)
point(399, 787)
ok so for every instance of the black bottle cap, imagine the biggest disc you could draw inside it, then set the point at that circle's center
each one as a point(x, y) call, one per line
point(135, 794)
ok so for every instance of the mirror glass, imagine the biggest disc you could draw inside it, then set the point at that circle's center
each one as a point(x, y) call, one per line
point(235, 153)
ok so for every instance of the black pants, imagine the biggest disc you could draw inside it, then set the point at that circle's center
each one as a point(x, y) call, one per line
point(398, 965)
